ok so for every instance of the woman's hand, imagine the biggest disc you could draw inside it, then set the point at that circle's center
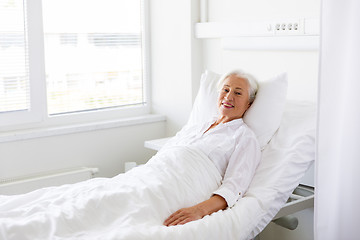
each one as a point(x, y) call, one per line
point(185, 215)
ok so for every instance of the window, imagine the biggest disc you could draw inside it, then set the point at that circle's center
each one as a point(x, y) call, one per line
point(78, 58)
point(14, 80)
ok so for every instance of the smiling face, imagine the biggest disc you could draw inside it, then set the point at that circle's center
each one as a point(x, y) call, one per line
point(233, 99)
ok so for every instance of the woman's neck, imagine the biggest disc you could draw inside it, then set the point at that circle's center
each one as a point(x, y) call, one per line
point(221, 119)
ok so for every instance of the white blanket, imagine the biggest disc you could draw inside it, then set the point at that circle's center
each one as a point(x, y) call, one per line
point(128, 206)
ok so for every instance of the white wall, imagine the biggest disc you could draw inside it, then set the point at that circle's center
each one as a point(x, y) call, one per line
point(106, 149)
point(175, 59)
point(301, 66)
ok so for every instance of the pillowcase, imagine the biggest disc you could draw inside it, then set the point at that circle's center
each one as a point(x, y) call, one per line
point(205, 104)
point(264, 115)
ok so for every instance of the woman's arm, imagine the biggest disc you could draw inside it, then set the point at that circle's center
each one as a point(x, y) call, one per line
point(207, 207)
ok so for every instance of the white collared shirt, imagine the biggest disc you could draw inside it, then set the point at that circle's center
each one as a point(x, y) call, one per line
point(232, 147)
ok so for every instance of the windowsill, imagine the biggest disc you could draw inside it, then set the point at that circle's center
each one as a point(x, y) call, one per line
point(12, 136)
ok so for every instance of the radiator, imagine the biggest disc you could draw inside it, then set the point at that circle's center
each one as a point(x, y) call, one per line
point(24, 184)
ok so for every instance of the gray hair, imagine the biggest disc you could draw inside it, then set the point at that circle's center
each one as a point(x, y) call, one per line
point(253, 83)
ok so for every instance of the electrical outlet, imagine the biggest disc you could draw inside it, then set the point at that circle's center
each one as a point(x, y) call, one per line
point(289, 27)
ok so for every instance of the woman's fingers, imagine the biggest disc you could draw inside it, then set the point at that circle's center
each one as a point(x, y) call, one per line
point(178, 221)
point(174, 218)
point(171, 218)
point(185, 221)
point(182, 216)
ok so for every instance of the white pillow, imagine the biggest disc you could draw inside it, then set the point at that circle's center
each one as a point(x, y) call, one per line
point(264, 115)
point(205, 104)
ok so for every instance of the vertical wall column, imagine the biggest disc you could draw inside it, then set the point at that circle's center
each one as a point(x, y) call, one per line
point(175, 59)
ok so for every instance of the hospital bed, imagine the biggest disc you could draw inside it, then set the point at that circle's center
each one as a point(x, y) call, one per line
point(286, 132)
point(301, 198)
point(133, 205)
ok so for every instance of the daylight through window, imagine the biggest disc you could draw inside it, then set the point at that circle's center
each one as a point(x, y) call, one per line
point(93, 54)
point(14, 73)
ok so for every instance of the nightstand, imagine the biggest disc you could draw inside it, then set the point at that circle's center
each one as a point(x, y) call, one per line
point(156, 144)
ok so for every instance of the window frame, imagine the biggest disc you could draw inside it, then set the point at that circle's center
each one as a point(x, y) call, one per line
point(37, 116)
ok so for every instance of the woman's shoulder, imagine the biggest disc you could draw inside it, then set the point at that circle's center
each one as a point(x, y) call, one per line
point(243, 130)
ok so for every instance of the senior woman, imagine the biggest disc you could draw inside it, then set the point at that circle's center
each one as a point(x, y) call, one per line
point(229, 143)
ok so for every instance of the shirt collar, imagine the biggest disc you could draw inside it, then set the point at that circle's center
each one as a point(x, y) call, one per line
point(237, 121)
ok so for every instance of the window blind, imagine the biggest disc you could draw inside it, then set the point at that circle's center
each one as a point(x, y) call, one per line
point(93, 54)
point(14, 70)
